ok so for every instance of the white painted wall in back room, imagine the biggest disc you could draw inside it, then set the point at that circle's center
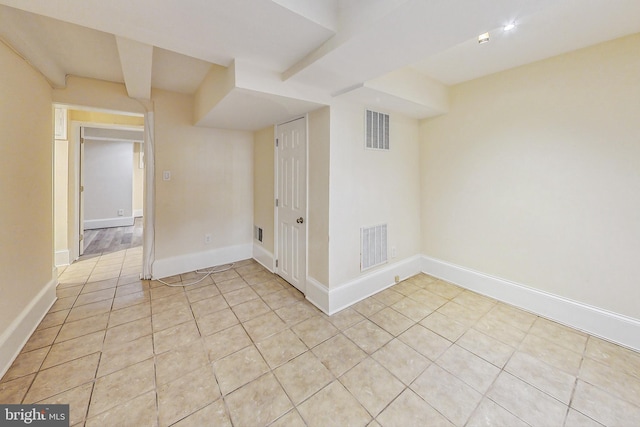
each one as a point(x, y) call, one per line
point(108, 183)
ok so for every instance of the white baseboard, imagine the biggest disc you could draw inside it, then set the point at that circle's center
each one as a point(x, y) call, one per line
point(17, 334)
point(335, 299)
point(317, 294)
point(121, 221)
point(165, 267)
point(62, 257)
point(263, 256)
point(137, 213)
point(605, 324)
point(363, 287)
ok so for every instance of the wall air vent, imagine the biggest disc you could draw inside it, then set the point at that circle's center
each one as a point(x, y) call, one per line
point(373, 249)
point(376, 130)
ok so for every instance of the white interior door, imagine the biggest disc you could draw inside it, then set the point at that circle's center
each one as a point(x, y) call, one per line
point(291, 147)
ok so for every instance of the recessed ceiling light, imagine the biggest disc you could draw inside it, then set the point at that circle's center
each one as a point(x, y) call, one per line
point(510, 26)
point(483, 38)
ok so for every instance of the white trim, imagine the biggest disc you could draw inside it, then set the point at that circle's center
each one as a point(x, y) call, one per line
point(372, 283)
point(120, 221)
point(593, 320)
point(263, 256)
point(317, 294)
point(149, 196)
point(138, 213)
point(17, 334)
point(60, 120)
point(74, 245)
point(333, 300)
point(276, 229)
point(180, 264)
point(62, 257)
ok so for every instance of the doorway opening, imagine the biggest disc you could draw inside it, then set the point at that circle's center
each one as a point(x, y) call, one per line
point(98, 182)
point(111, 188)
point(111, 184)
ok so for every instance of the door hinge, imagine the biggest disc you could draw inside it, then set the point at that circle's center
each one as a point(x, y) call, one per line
point(81, 188)
point(276, 263)
point(81, 237)
point(277, 203)
point(277, 141)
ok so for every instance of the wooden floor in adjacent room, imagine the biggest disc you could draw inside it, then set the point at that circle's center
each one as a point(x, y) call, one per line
point(113, 239)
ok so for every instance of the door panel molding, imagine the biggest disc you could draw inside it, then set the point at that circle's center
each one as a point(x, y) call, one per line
point(291, 193)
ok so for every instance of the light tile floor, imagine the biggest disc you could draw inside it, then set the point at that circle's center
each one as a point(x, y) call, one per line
point(244, 348)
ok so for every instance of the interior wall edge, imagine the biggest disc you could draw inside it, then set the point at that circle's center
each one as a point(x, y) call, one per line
point(19, 331)
point(263, 257)
point(317, 294)
point(614, 327)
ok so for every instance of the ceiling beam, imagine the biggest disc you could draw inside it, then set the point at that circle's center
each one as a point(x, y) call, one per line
point(136, 60)
point(15, 32)
point(399, 34)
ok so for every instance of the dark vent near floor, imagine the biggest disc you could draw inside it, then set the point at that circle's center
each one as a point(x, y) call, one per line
point(257, 233)
point(377, 130)
point(373, 246)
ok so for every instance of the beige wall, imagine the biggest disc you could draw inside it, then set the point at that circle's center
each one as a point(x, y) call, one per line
point(138, 179)
point(318, 228)
point(105, 118)
point(211, 184)
point(533, 176)
point(370, 187)
point(263, 182)
point(26, 188)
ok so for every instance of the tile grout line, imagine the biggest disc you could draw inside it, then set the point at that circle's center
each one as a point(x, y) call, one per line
point(290, 326)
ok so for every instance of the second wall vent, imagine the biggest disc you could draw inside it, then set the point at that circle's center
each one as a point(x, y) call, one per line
point(376, 130)
point(373, 246)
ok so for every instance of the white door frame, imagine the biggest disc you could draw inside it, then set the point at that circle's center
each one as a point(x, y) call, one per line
point(74, 245)
point(276, 235)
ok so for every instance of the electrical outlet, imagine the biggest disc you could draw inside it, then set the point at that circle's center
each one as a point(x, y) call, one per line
point(397, 278)
point(393, 252)
point(120, 212)
point(166, 175)
point(207, 239)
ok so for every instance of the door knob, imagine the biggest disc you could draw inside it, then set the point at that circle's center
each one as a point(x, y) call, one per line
point(300, 220)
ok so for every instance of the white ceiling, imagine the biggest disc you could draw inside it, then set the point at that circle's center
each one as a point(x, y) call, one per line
point(329, 46)
point(564, 26)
